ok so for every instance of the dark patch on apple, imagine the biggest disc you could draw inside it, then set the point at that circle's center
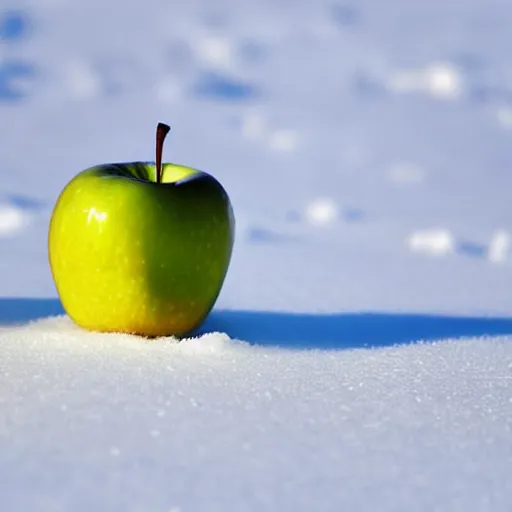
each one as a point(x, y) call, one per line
point(213, 85)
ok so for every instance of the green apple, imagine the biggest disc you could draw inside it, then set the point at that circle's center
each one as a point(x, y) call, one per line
point(141, 247)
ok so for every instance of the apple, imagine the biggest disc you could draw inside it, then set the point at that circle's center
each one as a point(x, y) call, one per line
point(141, 247)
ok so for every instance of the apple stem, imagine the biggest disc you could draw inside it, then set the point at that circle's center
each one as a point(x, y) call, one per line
point(161, 131)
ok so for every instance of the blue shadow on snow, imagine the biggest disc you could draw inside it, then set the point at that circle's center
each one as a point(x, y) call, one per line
point(21, 310)
point(217, 86)
point(305, 331)
point(348, 330)
point(11, 74)
point(14, 25)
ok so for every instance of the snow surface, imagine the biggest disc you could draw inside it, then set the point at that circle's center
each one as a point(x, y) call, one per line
point(109, 422)
point(360, 354)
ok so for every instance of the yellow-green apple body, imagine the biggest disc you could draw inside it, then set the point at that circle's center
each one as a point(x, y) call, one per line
point(141, 247)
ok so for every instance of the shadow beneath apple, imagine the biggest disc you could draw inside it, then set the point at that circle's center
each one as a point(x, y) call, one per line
point(22, 310)
point(348, 330)
point(305, 331)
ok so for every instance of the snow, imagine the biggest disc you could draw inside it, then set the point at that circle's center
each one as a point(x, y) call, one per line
point(12, 219)
point(211, 423)
point(436, 242)
point(359, 356)
point(441, 80)
point(321, 211)
point(498, 247)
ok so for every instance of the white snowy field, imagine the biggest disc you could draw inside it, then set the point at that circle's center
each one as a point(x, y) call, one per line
point(105, 422)
point(360, 354)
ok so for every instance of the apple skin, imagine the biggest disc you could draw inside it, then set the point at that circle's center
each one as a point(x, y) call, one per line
point(128, 254)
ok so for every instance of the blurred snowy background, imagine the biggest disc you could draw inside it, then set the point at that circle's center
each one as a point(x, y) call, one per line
point(366, 145)
point(367, 149)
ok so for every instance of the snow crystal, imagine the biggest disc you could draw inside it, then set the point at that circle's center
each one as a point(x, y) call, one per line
point(436, 242)
point(216, 51)
point(440, 80)
point(443, 80)
point(12, 219)
point(321, 211)
point(498, 247)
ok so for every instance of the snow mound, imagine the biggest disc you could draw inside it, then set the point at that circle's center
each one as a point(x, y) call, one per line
point(61, 331)
point(113, 422)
